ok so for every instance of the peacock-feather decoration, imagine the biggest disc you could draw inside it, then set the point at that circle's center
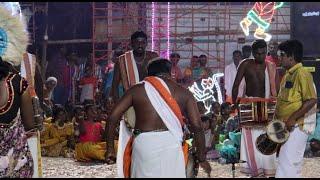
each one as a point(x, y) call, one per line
point(13, 33)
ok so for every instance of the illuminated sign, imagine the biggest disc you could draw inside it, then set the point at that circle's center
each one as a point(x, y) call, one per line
point(261, 14)
point(208, 92)
point(306, 14)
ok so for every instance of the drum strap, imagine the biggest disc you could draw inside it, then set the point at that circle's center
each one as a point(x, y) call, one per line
point(278, 150)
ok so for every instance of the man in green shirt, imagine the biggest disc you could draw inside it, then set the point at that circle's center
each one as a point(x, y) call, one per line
point(296, 101)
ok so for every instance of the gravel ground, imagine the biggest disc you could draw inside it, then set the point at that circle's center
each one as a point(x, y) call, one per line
point(67, 168)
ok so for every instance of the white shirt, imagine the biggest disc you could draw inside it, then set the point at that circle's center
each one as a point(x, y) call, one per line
point(87, 92)
point(230, 76)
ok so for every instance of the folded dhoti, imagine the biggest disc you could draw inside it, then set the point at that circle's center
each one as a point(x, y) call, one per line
point(157, 154)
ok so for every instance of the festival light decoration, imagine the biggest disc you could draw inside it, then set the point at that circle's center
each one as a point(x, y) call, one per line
point(152, 27)
point(168, 31)
point(167, 52)
point(205, 93)
point(261, 14)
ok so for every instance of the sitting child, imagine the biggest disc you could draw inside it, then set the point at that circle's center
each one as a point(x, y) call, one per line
point(231, 122)
point(78, 115)
point(209, 138)
point(91, 145)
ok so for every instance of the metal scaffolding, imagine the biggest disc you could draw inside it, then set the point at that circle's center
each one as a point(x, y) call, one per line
point(113, 23)
point(188, 28)
point(210, 28)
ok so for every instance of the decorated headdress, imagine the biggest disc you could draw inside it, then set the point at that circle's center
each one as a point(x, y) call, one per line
point(13, 33)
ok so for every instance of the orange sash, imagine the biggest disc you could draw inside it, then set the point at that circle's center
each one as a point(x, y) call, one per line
point(172, 103)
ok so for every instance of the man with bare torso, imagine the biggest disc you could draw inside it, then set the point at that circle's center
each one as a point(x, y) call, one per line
point(253, 72)
point(261, 81)
point(158, 132)
point(141, 58)
point(130, 68)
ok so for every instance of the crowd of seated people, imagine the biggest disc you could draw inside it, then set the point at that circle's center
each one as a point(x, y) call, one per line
point(80, 136)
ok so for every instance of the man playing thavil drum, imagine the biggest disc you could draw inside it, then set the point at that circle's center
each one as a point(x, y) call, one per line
point(296, 106)
point(261, 78)
point(129, 69)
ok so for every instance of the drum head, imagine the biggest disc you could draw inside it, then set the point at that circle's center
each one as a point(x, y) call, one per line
point(265, 145)
point(130, 118)
point(277, 132)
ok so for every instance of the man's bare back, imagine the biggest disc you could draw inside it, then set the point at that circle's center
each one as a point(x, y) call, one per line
point(147, 119)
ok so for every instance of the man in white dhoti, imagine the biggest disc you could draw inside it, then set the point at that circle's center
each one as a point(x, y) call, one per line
point(296, 107)
point(156, 149)
point(261, 82)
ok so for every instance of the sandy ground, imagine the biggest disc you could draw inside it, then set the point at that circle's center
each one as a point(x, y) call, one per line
point(67, 168)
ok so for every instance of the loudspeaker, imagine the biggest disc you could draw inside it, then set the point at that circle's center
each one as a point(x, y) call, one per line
point(313, 66)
